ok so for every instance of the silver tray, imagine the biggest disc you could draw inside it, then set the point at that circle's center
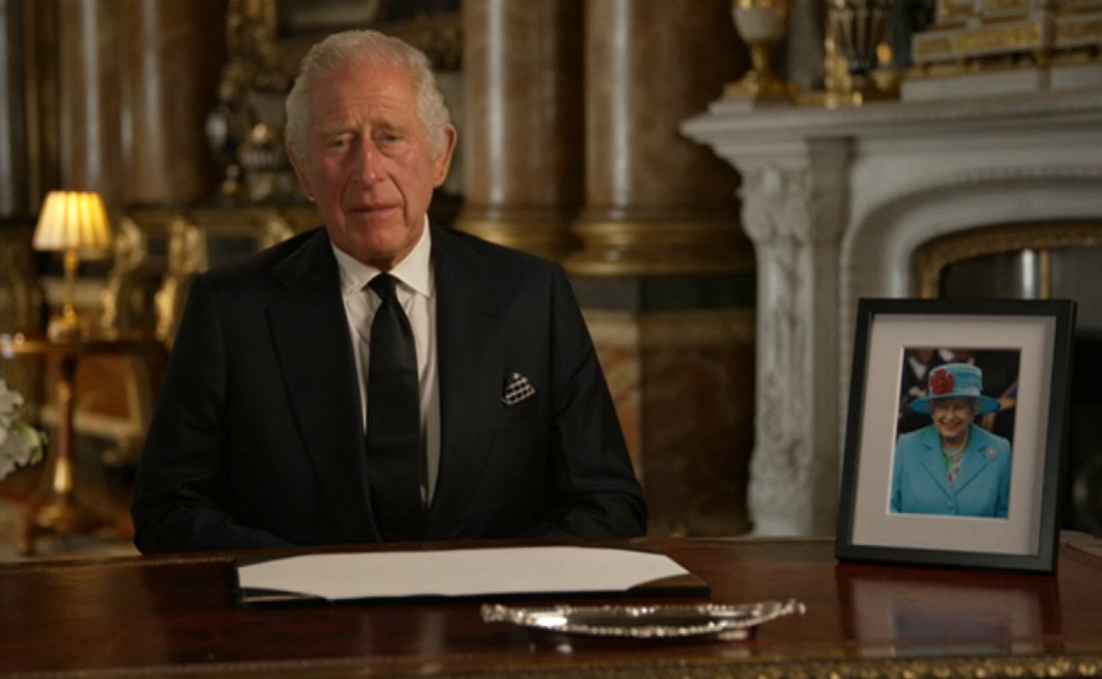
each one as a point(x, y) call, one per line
point(657, 622)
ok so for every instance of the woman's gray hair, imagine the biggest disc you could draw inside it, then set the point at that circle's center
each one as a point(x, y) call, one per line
point(365, 48)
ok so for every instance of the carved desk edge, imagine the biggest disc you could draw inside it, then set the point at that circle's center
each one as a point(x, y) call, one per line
point(1053, 666)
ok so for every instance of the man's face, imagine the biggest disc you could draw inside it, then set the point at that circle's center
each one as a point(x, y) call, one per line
point(952, 416)
point(368, 162)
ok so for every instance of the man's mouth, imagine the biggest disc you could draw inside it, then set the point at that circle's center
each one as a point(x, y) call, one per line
point(372, 210)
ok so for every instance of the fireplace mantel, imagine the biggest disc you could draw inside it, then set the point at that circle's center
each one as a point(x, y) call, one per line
point(836, 203)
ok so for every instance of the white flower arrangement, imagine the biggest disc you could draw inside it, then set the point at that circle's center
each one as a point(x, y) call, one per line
point(20, 443)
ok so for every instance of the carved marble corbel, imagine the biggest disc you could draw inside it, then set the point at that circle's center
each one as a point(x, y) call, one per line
point(794, 216)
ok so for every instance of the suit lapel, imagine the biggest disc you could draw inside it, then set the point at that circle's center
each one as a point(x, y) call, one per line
point(933, 460)
point(470, 357)
point(310, 330)
point(974, 460)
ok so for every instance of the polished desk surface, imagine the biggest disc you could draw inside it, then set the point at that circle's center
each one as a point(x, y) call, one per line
point(176, 616)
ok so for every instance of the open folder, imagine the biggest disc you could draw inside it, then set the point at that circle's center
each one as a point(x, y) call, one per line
point(498, 571)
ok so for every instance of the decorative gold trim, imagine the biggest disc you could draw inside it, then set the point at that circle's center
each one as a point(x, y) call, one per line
point(665, 329)
point(633, 248)
point(546, 236)
point(187, 256)
point(1050, 666)
point(259, 59)
point(939, 253)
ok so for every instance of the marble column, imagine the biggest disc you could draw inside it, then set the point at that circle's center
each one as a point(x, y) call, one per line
point(665, 276)
point(91, 98)
point(523, 140)
point(655, 202)
point(174, 54)
point(14, 192)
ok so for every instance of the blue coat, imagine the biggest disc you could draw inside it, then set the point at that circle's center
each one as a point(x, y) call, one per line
point(920, 481)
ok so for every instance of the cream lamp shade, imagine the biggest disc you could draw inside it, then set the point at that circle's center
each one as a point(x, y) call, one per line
point(73, 222)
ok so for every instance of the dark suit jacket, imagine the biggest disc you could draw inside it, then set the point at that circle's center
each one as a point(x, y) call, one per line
point(257, 439)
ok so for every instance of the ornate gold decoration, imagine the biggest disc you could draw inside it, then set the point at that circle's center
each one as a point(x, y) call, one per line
point(763, 25)
point(138, 276)
point(187, 255)
point(546, 235)
point(126, 304)
point(659, 330)
point(635, 247)
point(985, 34)
point(939, 253)
point(855, 29)
point(245, 129)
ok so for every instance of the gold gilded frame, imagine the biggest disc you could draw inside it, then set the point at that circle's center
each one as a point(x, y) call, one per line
point(260, 59)
point(939, 253)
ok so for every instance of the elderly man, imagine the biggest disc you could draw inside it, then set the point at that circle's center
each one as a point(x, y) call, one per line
point(380, 378)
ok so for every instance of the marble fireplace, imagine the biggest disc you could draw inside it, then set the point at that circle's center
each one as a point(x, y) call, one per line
point(839, 202)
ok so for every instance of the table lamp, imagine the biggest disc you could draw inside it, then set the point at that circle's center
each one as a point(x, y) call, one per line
point(73, 222)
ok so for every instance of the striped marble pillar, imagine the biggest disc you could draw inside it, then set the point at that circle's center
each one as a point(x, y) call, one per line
point(665, 276)
point(523, 139)
point(174, 53)
point(91, 111)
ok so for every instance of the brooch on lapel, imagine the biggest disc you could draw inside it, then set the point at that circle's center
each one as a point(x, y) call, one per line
point(990, 453)
point(517, 388)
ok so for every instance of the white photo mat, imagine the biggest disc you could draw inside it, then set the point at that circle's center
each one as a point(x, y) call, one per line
point(889, 336)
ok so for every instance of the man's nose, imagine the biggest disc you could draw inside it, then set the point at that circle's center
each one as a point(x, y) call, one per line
point(369, 163)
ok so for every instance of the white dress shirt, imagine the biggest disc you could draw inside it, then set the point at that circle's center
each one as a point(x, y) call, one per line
point(416, 290)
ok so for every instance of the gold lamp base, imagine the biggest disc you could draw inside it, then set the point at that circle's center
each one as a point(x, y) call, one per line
point(69, 326)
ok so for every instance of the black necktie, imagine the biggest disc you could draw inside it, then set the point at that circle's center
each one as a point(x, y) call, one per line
point(393, 420)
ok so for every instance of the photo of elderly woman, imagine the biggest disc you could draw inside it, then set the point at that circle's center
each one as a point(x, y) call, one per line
point(953, 464)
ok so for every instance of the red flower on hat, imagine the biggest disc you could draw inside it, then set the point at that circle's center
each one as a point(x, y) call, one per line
point(941, 382)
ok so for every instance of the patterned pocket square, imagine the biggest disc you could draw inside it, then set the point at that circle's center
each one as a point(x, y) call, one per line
point(517, 388)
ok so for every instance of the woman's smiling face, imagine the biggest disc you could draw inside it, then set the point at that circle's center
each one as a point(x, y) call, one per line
point(951, 418)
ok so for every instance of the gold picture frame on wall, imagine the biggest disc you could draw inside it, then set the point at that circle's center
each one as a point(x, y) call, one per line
point(267, 38)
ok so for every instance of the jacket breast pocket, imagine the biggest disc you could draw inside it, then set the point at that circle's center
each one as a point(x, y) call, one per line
point(511, 415)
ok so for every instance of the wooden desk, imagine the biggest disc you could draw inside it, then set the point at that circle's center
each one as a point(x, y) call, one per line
point(153, 617)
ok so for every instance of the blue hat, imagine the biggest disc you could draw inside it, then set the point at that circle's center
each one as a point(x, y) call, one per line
point(955, 380)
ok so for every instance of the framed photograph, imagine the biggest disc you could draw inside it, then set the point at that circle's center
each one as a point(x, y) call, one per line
point(955, 435)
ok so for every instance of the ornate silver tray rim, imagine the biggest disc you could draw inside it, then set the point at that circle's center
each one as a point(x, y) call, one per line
point(660, 621)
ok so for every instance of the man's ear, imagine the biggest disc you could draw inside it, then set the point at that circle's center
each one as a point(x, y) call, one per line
point(441, 164)
point(300, 172)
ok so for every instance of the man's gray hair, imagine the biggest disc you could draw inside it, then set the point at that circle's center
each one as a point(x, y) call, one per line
point(364, 49)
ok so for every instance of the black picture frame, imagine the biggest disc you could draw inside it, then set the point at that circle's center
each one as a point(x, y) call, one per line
point(1034, 339)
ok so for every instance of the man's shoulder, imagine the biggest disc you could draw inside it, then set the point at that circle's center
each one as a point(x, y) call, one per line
point(262, 261)
point(451, 238)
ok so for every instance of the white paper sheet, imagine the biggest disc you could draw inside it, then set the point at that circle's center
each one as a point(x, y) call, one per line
point(460, 572)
